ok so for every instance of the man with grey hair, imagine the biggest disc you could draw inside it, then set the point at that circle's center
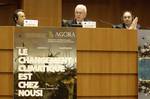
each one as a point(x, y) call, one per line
point(80, 14)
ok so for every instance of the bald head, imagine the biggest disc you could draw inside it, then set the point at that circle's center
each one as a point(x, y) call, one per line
point(80, 12)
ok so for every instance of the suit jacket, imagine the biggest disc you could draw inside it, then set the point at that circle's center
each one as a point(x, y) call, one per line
point(71, 23)
point(123, 26)
point(120, 26)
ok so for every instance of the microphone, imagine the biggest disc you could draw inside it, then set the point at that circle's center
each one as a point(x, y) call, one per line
point(106, 22)
point(64, 22)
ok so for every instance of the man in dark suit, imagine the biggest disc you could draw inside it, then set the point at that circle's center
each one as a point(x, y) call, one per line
point(79, 16)
point(129, 22)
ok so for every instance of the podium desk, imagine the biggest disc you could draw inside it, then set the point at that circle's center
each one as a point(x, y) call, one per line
point(106, 63)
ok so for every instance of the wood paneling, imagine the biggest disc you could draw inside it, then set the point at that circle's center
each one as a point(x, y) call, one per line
point(6, 97)
point(120, 97)
point(6, 87)
point(50, 12)
point(7, 7)
point(107, 67)
point(47, 12)
point(107, 62)
point(106, 39)
point(6, 61)
point(6, 37)
point(107, 85)
point(123, 97)
point(110, 11)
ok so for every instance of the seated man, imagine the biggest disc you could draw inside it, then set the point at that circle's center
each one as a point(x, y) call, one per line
point(80, 15)
point(128, 21)
point(19, 17)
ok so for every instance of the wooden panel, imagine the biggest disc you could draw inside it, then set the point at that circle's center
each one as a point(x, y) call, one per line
point(110, 11)
point(107, 85)
point(2, 97)
point(106, 39)
point(6, 37)
point(101, 39)
point(6, 87)
point(109, 51)
point(90, 85)
point(6, 61)
point(7, 7)
point(107, 62)
point(48, 12)
point(123, 97)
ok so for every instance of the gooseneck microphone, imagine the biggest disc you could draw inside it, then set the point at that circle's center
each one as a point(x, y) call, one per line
point(106, 22)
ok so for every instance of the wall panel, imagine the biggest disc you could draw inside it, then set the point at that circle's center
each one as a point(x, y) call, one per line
point(107, 62)
point(6, 61)
point(47, 12)
point(108, 12)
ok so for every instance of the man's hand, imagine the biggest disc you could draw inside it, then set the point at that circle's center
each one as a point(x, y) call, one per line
point(134, 24)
